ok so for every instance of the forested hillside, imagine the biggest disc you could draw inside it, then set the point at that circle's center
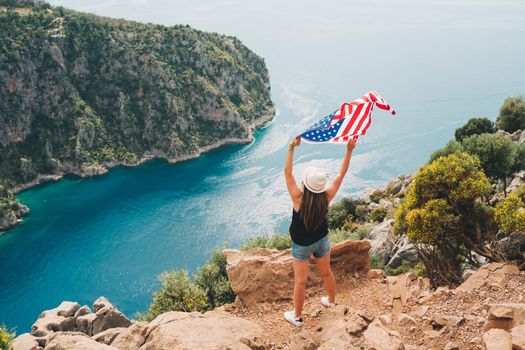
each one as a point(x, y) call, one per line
point(80, 93)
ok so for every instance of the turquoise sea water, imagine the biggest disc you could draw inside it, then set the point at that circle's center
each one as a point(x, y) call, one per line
point(437, 63)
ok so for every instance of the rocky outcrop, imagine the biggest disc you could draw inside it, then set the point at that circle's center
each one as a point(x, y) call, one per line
point(497, 339)
point(11, 211)
point(74, 340)
point(55, 330)
point(381, 240)
point(517, 181)
point(489, 274)
point(212, 330)
point(380, 338)
point(405, 287)
point(69, 316)
point(266, 275)
point(518, 135)
point(391, 250)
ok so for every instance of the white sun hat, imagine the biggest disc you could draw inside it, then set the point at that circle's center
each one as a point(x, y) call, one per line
point(315, 179)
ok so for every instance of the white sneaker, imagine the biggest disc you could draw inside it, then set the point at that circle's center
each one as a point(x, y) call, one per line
point(290, 317)
point(326, 302)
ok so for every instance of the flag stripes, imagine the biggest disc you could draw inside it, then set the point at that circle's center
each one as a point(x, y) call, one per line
point(350, 121)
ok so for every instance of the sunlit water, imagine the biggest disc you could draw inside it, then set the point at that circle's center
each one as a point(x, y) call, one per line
point(438, 63)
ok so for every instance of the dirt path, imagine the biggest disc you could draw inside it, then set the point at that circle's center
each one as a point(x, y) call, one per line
point(373, 298)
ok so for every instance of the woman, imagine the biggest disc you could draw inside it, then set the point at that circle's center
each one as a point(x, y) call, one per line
point(309, 228)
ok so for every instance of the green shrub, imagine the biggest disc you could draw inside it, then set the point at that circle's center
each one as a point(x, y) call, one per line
point(378, 214)
point(177, 293)
point(213, 280)
point(475, 126)
point(377, 195)
point(512, 114)
point(419, 269)
point(452, 146)
point(6, 337)
point(361, 212)
point(339, 235)
point(276, 241)
point(342, 211)
point(498, 154)
point(405, 267)
point(209, 288)
point(375, 262)
point(444, 219)
point(510, 214)
point(362, 230)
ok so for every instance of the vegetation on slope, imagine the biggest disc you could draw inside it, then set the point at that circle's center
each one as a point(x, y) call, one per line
point(80, 92)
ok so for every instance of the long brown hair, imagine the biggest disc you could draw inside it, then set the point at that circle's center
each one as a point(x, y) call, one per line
point(314, 207)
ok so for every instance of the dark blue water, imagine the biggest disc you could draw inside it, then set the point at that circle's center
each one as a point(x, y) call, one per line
point(437, 63)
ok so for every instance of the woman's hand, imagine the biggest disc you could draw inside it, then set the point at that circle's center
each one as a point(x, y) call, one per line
point(350, 145)
point(295, 142)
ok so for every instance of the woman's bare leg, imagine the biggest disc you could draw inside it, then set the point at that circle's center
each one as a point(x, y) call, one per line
point(328, 277)
point(300, 269)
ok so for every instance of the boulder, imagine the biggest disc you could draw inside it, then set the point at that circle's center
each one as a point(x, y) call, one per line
point(450, 321)
point(489, 274)
point(130, 338)
point(60, 318)
point(402, 250)
point(84, 310)
point(380, 338)
point(84, 323)
point(406, 320)
point(517, 181)
point(381, 240)
point(505, 316)
point(74, 341)
point(501, 312)
point(405, 287)
point(212, 330)
point(109, 335)
point(266, 275)
point(108, 317)
point(337, 327)
point(518, 136)
point(385, 319)
point(497, 339)
point(102, 302)
point(25, 342)
point(421, 311)
point(302, 341)
point(376, 274)
point(518, 337)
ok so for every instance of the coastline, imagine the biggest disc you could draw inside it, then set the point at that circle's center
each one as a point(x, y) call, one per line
point(97, 170)
point(147, 156)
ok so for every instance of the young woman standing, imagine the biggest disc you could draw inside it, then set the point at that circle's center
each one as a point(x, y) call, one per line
point(309, 227)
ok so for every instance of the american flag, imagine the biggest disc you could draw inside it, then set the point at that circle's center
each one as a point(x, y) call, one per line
point(350, 121)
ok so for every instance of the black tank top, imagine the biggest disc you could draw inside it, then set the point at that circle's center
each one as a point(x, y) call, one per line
point(302, 237)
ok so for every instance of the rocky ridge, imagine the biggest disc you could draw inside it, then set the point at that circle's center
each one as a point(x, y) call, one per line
point(373, 311)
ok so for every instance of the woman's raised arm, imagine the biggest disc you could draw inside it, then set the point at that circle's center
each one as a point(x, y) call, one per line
point(336, 183)
point(294, 191)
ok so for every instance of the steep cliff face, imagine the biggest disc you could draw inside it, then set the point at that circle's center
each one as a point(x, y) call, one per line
point(80, 92)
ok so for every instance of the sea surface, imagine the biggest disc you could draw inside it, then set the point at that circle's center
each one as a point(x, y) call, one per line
point(438, 63)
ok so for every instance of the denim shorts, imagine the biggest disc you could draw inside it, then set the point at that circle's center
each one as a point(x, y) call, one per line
point(318, 249)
